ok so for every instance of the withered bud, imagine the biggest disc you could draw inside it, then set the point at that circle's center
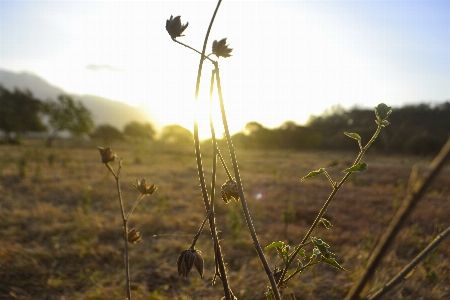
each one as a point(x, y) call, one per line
point(174, 27)
point(144, 188)
point(230, 190)
point(107, 154)
point(187, 259)
point(219, 48)
point(134, 236)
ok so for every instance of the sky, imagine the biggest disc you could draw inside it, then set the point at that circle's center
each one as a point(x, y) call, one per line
point(291, 59)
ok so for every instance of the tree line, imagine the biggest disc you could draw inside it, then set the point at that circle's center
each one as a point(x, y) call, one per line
point(21, 113)
point(420, 129)
point(416, 129)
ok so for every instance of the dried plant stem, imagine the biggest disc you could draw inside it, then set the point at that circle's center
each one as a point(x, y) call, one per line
point(401, 275)
point(336, 187)
point(201, 174)
point(193, 49)
point(413, 197)
point(248, 218)
point(125, 227)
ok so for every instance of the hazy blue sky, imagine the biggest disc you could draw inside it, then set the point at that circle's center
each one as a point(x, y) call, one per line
point(290, 59)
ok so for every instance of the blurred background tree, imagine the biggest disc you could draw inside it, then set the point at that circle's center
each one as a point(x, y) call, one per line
point(139, 131)
point(65, 114)
point(107, 134)
point(19, 113)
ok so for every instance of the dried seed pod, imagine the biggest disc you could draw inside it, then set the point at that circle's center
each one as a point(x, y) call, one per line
point(107, 154)
point(144, 188)
point(187, 259)
point(220, 48)
point(230, 190)
point(174, 27)
point(134, 236)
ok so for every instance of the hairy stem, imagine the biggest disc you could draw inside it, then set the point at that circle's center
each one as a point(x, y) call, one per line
point(248, 218)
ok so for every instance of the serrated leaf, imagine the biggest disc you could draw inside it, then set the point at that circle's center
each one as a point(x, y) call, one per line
point(356, 168)
point(333, 262)
point(326, 223)
point(382, 111)
point(353, 135)
point(274, 245)
point(314, 173)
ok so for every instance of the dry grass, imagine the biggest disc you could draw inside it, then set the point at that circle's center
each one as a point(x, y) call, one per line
point(60, 223)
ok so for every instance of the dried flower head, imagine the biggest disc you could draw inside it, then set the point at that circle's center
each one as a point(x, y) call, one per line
point(219, 48)
point(174, 27)
point(107, 154)
point(189, 258)
point(144, 188)
point(134, 236)
point(230, 190)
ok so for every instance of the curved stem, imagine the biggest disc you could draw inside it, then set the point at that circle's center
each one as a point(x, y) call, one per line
point(248, 218)
point(200, 164)
point(193, 49)
point(322, 211)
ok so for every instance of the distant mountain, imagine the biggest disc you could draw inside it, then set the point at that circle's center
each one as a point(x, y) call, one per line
point(104, 111)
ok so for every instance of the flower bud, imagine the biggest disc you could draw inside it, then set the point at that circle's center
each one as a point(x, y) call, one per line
point(230, 190)
point(187, 259)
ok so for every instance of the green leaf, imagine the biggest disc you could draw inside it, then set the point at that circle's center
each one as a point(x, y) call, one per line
point(302, 253)
point(382, 111)
point(274, 245)
point(326, 223)
point(356, 168)
point(314, 173)
point(353, 135)
point(332, 261)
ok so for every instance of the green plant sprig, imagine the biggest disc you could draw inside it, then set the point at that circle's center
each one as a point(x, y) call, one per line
point(382, 111)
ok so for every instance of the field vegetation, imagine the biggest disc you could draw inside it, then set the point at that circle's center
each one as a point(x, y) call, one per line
point(61, 224)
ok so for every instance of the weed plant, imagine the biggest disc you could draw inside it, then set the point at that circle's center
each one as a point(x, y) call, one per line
point(295, 257)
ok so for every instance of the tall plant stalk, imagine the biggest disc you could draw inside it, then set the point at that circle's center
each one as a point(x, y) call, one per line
point(248, 218)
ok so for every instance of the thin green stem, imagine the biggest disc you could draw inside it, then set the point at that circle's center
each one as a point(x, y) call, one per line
point(248, 218)
point(224, 165)
point(322, 211)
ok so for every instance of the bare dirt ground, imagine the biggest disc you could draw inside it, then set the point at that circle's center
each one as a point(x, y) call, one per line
point(60, 225)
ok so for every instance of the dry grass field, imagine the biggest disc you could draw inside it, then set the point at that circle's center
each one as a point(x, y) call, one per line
point(60, 224)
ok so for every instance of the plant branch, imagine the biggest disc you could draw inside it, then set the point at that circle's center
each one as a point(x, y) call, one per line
point(410, 201)
point(193, 49)
point(125, 227)
point(200, 164)
point(322, 211)
point(241, 191)
point(401, 275)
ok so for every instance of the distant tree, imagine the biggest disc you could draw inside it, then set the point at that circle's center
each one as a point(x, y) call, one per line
point(65, 114)
point(19, 113)
point(176, 134)
point(107, 133)
point(139, 130)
